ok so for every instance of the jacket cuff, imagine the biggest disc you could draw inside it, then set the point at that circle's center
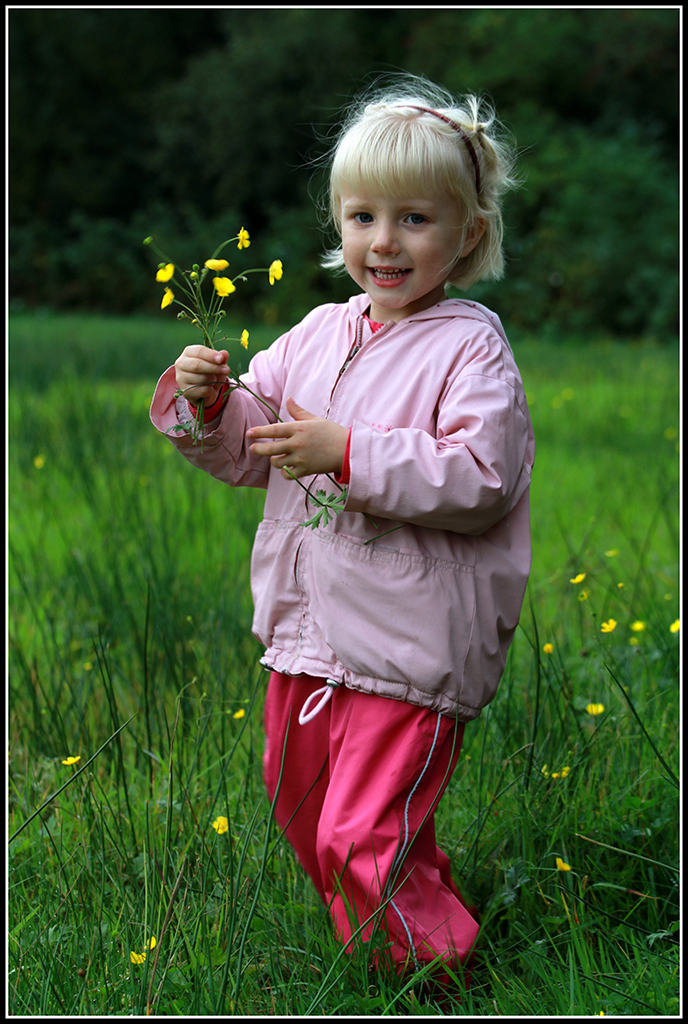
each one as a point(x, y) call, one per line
point(345, 476)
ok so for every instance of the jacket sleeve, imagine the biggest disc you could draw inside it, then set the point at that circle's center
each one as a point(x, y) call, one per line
point(464, 479)
point(224, 452)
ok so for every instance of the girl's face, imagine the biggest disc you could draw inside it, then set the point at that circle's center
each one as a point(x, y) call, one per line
point(401, 251)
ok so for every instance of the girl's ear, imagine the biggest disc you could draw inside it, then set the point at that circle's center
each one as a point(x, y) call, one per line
point(474, 235)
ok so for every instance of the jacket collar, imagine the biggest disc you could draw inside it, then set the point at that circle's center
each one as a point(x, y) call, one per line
point(358, 305)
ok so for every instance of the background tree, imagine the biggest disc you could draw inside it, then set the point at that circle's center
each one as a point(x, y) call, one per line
point(188, 123)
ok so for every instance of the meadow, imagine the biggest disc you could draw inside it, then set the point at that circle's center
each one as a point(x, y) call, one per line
point(145, 872)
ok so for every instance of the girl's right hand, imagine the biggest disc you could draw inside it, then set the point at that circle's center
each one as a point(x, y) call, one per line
point(203, 370)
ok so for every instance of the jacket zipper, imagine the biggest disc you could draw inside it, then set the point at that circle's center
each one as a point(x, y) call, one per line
point(355, 348)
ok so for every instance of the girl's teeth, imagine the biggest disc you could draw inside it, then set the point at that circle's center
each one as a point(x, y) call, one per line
point(388, 275)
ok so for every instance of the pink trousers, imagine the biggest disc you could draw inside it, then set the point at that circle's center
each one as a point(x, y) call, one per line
point(360, 783)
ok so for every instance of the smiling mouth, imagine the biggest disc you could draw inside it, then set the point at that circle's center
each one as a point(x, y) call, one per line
point(388, 274)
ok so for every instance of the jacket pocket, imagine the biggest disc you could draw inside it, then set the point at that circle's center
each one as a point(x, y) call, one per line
point(394, 615)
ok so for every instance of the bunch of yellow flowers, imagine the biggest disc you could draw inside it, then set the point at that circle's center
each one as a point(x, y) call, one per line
point(206, 314)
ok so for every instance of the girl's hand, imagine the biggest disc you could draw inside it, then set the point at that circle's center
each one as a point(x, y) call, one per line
point(205, 367)
point(308, 445)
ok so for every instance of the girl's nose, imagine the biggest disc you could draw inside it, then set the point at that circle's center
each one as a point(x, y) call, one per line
point(385, 239)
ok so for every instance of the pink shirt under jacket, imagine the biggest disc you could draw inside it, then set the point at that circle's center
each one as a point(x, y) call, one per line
point(441, 442)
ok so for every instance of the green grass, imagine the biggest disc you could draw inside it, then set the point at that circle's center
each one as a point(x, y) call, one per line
point(129, 596)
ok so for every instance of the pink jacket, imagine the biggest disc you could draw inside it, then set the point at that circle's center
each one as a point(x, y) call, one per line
point(442, 442)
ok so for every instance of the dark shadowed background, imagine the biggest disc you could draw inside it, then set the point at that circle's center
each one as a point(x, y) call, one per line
point(187, 124)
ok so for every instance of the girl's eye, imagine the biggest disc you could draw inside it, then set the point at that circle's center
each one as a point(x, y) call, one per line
point(364, 218)
point(416, 218)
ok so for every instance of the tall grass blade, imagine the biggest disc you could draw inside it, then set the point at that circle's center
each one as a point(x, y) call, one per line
point(71, 780)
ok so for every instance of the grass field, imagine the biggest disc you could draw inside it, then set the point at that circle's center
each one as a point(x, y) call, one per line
point(130, 649)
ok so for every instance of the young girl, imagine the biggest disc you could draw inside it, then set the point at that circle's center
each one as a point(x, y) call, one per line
point(386, 630)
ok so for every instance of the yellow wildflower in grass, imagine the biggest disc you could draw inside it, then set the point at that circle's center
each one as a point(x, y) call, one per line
point(72, 760)
point(562, 774)
point(595, 709)
point(244, 339)
point(223, 286)
point(216, 264)
point(275, 271)
point(612, 553)
point(244, 240)
point(221, 825)
point(545, 771)
point(584, 595)
point(548, 648)
point(638, 626)
point(579, 578)
point(675, 626)
point(239, 714)
point(140, 958)
point(39, 461)
point(562, 865)
point(165, 273)
point(167, 299)
point(609, 627)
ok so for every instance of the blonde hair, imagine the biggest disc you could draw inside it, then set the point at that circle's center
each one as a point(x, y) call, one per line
point(387, 145)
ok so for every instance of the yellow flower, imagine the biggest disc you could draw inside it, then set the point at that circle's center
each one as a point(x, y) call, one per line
point(244, 339)
point(223, 286)
point(72, 760)
point(548, 648)
point(167, 298)
point(221, 825)
point(584, 595)
point(609, 627)
point(637, 627)
point(595, 709)
point(239, 714)
point(39, 461)
point(579, 578)
point(275, 271)
point(545, 772)
point(562, 865)
point(216, 264)
point(244, 240)
point(140, 958)
point(613, 553)
point(675, 626)
point(562, 774)
point(165, 273)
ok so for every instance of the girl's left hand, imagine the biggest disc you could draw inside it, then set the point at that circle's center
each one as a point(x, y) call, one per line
point(308, 445)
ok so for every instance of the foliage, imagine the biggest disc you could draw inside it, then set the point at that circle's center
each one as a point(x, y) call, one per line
point(201, 119)
point(121, 606)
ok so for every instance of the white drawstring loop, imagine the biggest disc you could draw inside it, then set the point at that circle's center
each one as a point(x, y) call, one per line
point(324, 693)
